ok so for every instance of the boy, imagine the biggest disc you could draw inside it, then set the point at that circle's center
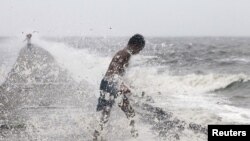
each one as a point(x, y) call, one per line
point(112, 86)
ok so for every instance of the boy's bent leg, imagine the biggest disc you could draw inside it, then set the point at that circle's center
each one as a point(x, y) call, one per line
point(127, 108)
point(130, 113)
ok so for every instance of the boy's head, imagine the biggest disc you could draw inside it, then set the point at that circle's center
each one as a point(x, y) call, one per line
point(136, 43)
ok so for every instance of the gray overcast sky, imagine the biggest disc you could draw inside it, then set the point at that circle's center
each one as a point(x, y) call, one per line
point(126, 17)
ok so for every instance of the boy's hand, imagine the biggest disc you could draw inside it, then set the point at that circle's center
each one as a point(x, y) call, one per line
point(124, 89)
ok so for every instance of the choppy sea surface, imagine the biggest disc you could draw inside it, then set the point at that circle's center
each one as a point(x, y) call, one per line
point(49, 90)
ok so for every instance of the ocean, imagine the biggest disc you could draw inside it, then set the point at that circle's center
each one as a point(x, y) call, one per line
point(49, 89)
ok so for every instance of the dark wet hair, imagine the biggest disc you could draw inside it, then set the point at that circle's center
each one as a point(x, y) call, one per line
point(137, 40)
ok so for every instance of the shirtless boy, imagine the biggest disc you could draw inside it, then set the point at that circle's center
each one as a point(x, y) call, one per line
point(112, 85)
